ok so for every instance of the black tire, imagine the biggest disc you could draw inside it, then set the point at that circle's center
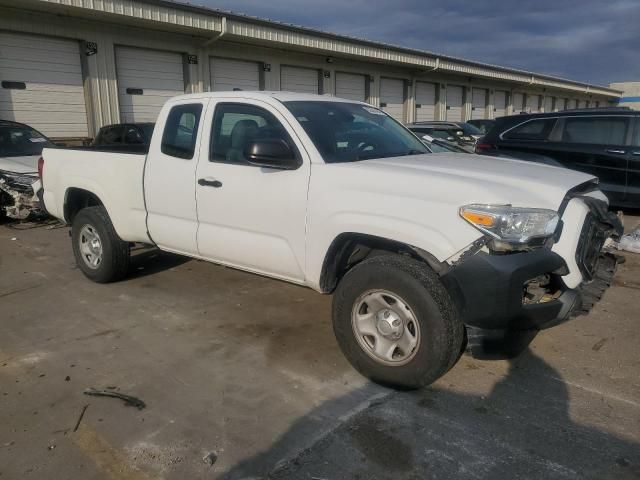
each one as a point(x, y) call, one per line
point(442, 332)
point(114, 265)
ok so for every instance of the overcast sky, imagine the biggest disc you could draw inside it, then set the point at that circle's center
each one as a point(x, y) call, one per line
point(596, 41)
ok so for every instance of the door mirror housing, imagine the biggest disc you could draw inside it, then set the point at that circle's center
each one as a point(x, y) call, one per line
point(272, 153)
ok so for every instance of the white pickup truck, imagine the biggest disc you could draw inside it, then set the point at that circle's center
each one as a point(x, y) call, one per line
point(422, 252)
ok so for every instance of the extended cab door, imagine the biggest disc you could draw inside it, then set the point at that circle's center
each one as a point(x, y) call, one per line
point(251, 217)
point(169, 179)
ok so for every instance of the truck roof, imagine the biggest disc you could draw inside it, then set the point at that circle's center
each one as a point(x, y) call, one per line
point(264, 95)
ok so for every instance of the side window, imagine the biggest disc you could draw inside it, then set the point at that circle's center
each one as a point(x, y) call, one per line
point(532, 130)
point(597, 130)
point(181, 131)
point(110, 136)
point(636, 135)
point(236, 125)
point(132, 136)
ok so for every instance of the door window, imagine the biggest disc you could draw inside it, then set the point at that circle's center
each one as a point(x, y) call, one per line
point(181, 131)
point(596, 130)
point(533, 130)
point(235, 126)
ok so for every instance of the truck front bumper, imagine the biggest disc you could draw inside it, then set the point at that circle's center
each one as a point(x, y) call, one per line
point(491, 293)
point(507, 297)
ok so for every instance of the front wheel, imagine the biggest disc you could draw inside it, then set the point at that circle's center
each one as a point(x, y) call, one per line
point(396, 323)
point(101, 255)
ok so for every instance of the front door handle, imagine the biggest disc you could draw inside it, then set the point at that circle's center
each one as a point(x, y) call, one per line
point(203, 182)
point(618, 152)
point(636, 152)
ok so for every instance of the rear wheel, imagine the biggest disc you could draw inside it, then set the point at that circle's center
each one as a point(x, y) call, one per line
point(101, 255)
point(396, 323)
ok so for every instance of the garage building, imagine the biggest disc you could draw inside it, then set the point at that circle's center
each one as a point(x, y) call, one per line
point(68, 67)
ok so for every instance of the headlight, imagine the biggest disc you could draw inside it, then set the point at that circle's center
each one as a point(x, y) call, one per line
point(512, 227)
point(18, 181)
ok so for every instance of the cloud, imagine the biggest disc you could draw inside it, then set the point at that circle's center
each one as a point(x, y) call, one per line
point(586, 40)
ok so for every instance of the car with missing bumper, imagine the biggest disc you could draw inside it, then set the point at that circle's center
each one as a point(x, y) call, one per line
point(419, 250)
point(20, 149)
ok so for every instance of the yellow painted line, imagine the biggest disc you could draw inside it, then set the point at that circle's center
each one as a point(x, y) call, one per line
point(107, 458)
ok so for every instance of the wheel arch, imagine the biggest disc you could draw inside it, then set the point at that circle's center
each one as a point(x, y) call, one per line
point(349, 248)
point(76, 199)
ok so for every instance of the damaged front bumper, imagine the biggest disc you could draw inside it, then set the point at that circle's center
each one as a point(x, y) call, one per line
point(498, 295)
point(18, 195)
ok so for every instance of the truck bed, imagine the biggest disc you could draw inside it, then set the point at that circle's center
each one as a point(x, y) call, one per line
point(116, 178)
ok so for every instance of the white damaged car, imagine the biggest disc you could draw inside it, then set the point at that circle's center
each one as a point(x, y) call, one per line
point(20, 149)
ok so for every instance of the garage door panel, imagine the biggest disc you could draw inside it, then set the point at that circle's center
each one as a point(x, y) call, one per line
point(518, 102)
point(479, 103)
point(455, 97)
point(158, 74)
point(533, 103)
point(425, 101)
point(392, 97)
point(229, 74)
point(53, 100)
point(299, 79)
point(351, 86)
point(500, 103)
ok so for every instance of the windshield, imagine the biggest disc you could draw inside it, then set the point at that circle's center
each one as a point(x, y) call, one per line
point(469, 129)
point(21, 141)
point(348, 132)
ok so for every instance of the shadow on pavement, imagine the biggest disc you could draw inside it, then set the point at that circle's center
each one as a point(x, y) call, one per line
point(522, 429)
point(148, 261)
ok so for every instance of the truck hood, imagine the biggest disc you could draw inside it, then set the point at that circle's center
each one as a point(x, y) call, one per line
point(482, 179)
point(24, 165)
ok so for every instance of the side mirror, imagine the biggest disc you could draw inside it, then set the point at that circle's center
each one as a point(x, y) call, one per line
point(271, 153)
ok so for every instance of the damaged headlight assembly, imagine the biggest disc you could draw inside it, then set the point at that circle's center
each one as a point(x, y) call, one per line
point(17, 181)
point(512, 228)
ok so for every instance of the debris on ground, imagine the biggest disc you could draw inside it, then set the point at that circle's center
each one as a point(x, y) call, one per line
point(129, 400)
point(210, 458)
point(631, 241)
point(84, 409)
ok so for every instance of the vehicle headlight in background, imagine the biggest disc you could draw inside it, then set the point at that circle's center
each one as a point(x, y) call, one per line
point(18, 181)
point(512, 228)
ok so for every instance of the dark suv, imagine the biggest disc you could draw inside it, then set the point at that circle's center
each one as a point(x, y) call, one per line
point(604, 142)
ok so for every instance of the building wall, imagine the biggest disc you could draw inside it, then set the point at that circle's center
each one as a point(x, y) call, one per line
point(100, 73)
point(630, 94)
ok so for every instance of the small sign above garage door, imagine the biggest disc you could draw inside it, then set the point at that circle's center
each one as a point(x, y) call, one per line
point(351, 86)
point(392, 97)
point(42, 84)
point(146, 80)
point(299, 79)
point(425, 101)
point(229, 75)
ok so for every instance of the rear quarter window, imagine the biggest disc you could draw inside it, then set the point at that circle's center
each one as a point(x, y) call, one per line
point(181, 131)
point(595, 130)
point(538, 129)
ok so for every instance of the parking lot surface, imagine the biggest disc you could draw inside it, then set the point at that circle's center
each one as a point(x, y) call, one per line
point(242, 378)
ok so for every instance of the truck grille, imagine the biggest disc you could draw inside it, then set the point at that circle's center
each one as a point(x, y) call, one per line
point(592, 237)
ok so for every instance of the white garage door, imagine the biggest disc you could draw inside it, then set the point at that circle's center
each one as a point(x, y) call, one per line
point(229, 75)
point(559, 104)
point(42, 84)
point(573, 103)
point(533, 103)
point(548, 104)
point(297, 79)
point(351, 86)
point(425, 101)
point(479, 105)
point(518, 102)
point(146, 80)
point(454, 103)
point(392, 97)
point(500, 103)
point(582, 104)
